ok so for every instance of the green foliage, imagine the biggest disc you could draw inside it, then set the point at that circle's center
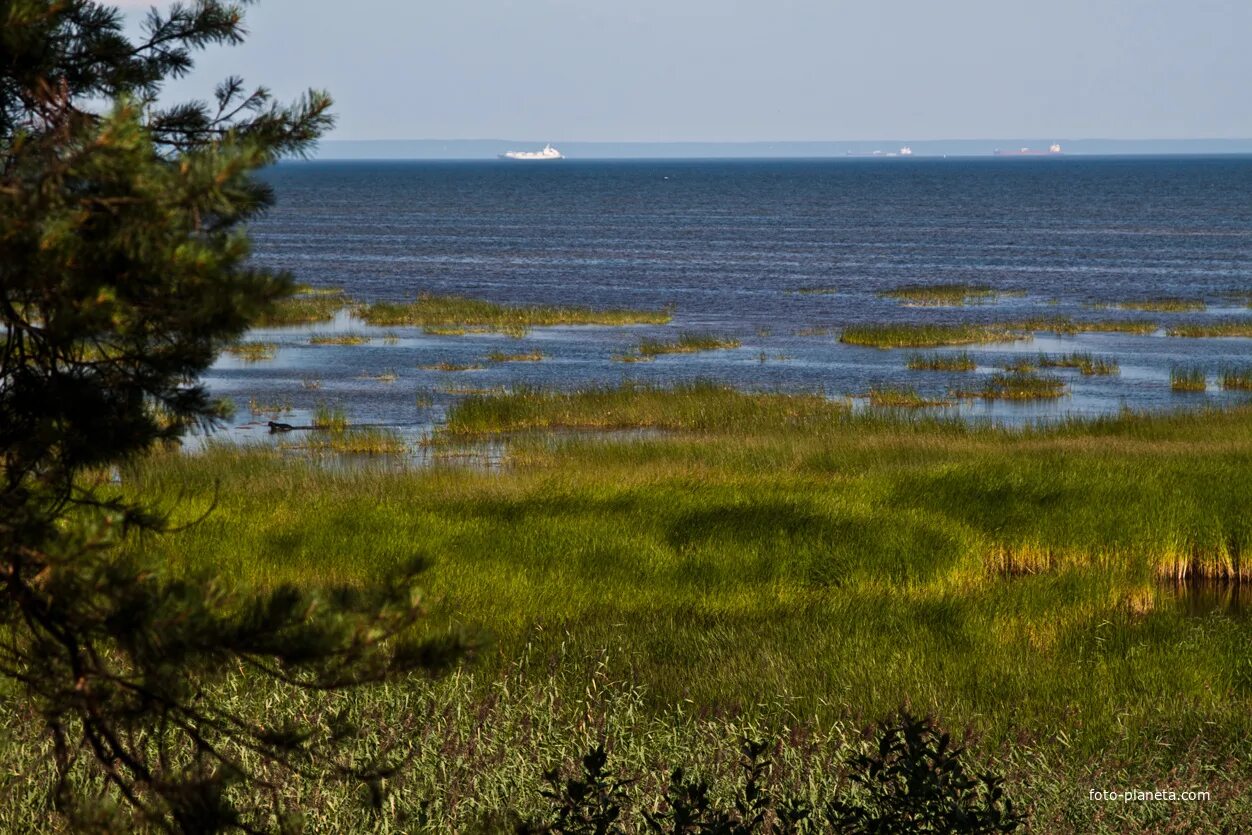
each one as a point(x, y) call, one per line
point(942, 295)
point(124, 271)
point(930, 335)
point(942, 362)
point(916, 783)
point(686, 343)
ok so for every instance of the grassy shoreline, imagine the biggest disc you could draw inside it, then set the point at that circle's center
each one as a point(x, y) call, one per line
point(769, 553)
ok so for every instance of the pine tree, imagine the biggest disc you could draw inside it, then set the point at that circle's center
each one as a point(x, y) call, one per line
point(123, 272)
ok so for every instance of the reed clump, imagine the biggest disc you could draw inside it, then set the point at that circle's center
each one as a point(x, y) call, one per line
point(388, 376)
point(330, 418)
point(1229, 328)
point(501, 356)
point(930, 335)
point(1164, 305)
point(253, 351)
point(306, 306)
point(686, 343)
point(941, 295)
point(263, 407)
point(903, 398)
point(338, 339)
point(433, 311)
point(700, 406)
point(1018, 386)
point(961, 361)
point(451, 366)
point(1188, 379)
point(1237, 379)
point(1087, 364)
point(359, 441)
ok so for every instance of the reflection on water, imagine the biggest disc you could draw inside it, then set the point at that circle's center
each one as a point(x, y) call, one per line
point(1202, 598)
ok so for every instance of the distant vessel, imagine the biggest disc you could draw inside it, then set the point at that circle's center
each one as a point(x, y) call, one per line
point(548, 152)
point(906, 151)
point(1054, 148)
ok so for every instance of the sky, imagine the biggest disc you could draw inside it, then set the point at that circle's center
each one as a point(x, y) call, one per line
point(770, 70)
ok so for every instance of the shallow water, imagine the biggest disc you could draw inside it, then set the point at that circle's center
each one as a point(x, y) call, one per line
point(729, 244)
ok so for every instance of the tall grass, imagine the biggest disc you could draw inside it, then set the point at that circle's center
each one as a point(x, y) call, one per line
point(501, 356)
point(1018, 385)
point(1164, 305)
point(1214, 329)
point(330, 418)
point(686, 343)
point(253, 351)
point(929, 335)
point(902, 398)
point(432, 311)
point(1085, 363)
point(1188, 379)
point(339, 339)
point(697, 406)
point(941, 295)
point(344, 441)
point(307, 305)
point(941, 362)
point(1237, 379)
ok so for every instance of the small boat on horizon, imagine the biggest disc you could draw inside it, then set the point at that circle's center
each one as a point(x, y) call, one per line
point(548, 152)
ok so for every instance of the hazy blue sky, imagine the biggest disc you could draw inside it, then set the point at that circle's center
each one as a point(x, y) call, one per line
point(767, 70)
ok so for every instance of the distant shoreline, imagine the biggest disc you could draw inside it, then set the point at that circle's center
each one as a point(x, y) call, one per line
point(485, 149)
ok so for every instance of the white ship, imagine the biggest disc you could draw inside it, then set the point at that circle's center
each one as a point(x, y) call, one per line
point(548, 152)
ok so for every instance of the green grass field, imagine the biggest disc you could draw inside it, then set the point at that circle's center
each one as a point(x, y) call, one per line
point(776, 559)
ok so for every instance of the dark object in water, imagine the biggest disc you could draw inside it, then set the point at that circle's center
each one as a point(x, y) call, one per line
point(275, 426)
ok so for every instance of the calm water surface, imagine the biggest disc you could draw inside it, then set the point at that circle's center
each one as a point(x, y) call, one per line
point(728, 245)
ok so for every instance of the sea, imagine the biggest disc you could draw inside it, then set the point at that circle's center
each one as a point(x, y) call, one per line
point(778, 254)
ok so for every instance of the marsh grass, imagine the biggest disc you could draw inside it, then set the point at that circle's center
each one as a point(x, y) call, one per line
point(1087, 364)
point(330, 418)
point(263, 407)
point(1018, 386)
point(1020, 365)
point(452, 366)
point(1133, 326)
point(1188, 379)
point(339, 339)
point(387, 376)
point(432, 311)
point(1164, 305)
point(308, 305)
point(356, 441)
point(1227, 328)
point(501, 356)
point(929, 335)
point(1237, 379)
point(942, 295)
point(961, 361)
point(902, 398)
point(253, 351)
point(700, 406)
point(686, 343)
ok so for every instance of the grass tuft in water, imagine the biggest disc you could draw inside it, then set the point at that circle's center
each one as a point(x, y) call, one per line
point(941, 362)
point(253, 351)
point(902, 398)
point(687, 343)
point(1019, 386)
point(501, 356)
point(1088, 364)
point(306, 306)
point(928, 335)
point(941, 295)
point(1233, 327)
point(1237, 379)
point(1188, 379)
point(1164, 305)
point(330, 418)
point(388, 376)
point(451, 366)
point(439, 313)
point(338, 339)
point(261, 407)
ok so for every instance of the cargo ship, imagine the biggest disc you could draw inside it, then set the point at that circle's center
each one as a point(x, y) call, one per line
point(548, 152)
point(1053, 149)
